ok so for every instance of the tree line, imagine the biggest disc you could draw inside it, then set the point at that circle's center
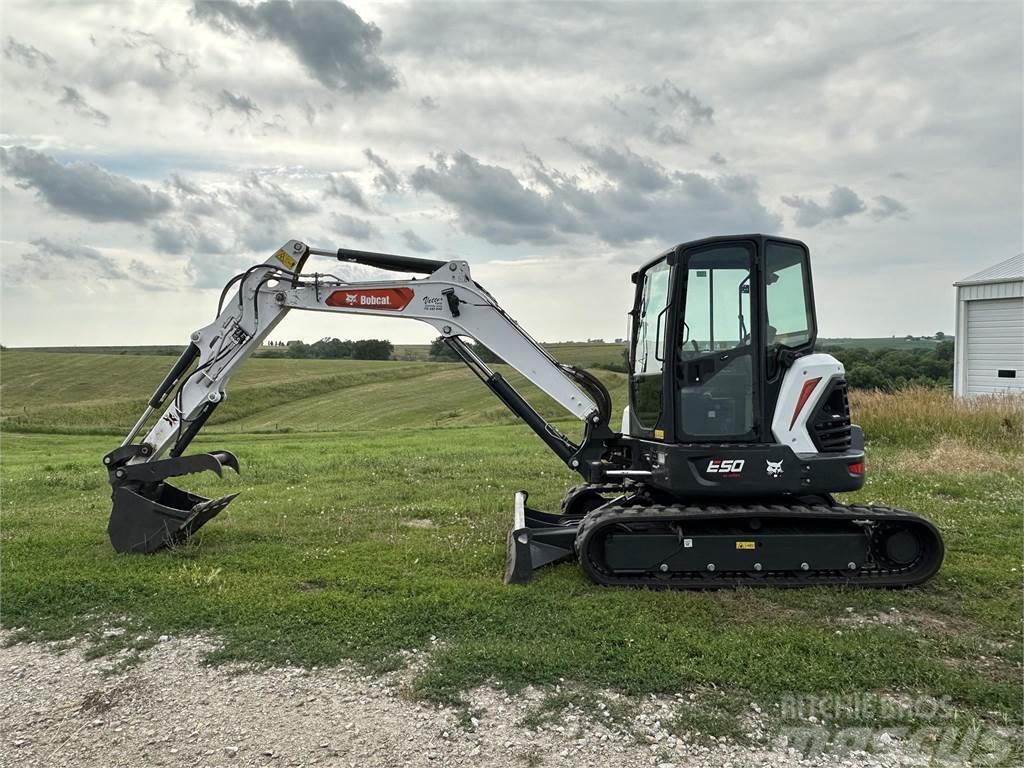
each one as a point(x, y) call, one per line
point(330, 349)
point(885, 369)
point(892, 369)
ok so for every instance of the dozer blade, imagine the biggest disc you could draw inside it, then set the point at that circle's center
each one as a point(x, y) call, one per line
point(149, 514)
point(537, 539)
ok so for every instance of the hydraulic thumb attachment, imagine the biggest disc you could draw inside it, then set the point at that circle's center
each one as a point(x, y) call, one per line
point(150, 513)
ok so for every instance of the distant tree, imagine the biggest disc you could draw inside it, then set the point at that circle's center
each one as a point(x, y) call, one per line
point(372, 349)
point(441, 351)
point(940, 335)
point(944, 350)
point(332, 349)
point(863, 376)
point(298, 350)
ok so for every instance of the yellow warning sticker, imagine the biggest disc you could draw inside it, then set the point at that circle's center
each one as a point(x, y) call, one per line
point(659, 434)
point(745, 545)
point(285, 258)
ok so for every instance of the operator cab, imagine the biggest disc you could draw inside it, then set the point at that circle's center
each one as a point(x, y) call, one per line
point(715, 324)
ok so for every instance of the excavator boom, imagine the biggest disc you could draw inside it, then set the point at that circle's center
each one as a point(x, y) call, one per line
point(149, 513)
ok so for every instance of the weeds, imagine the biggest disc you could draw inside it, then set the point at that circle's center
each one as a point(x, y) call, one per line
point(922, 416)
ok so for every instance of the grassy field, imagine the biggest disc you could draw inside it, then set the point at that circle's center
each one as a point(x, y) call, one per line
point(95, 393)
point(388, 535)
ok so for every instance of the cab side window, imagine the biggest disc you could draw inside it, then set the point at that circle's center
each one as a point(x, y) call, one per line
point(649, 345)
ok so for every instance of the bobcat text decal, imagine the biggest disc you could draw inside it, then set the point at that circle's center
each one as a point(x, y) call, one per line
point(393, 299)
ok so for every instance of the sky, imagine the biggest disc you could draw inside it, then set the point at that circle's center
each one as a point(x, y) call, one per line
point(152, 150)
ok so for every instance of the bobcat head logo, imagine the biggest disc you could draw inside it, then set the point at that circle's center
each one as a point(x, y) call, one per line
point(351, 298)
point(774, 467)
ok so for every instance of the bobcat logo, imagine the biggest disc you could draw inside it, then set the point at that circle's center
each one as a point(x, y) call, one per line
point(351, 298)
point(774, 467)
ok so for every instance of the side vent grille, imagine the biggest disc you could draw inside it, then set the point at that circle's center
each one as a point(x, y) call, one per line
point(830, 424)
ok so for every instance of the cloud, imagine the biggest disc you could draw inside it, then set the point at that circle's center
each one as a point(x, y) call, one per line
point(666, 114)
point(134, 56)
point(718, 159)
point(491, 202)
point(387, 179)
point(635, 202)
point(236, 102)
point(842, 202)
point(266, 211)
point(341, 186)
point(427, 104)
point(27, 55)
point(49, 254)
point(350, 226)
point(261, 197)
point(680, 101)
point(221, 228)
point(178, 237)
point(55, 259)
point(886, 207)
point(416, 242)
point(75, 101)
point(331, 40)
point(625, 166)
point(83, 189)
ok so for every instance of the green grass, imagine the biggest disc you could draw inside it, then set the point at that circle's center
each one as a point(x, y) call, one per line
point(316, 562)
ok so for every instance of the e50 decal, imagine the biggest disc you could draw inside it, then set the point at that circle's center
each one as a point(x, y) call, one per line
point(725, 466)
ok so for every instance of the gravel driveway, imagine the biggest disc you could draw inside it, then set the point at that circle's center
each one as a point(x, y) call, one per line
point(60, 709)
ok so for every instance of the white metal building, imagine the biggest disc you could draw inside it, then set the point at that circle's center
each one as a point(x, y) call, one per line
point(990, 330)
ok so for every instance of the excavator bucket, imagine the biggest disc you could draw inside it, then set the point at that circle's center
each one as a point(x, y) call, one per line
point(149, 513)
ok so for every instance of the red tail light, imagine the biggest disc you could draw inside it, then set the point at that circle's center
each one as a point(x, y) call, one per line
point(857, 468)
point(805, 393)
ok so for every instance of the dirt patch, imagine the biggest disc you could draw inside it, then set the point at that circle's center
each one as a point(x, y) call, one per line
point(956, 457)
point(173, 710)
point(313, 585)
point(419, 522)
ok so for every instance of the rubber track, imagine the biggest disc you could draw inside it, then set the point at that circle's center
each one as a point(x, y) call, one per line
point(589, 547)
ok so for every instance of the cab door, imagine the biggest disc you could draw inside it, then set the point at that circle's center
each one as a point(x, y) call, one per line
point(648, 350)
point(717, 366)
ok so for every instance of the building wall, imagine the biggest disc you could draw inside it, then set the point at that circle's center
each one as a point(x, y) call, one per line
point(1004, 289)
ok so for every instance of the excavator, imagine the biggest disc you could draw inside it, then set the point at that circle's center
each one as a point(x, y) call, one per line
point(721, 474)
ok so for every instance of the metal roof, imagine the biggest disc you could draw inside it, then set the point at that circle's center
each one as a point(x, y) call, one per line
point(1004, 271)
